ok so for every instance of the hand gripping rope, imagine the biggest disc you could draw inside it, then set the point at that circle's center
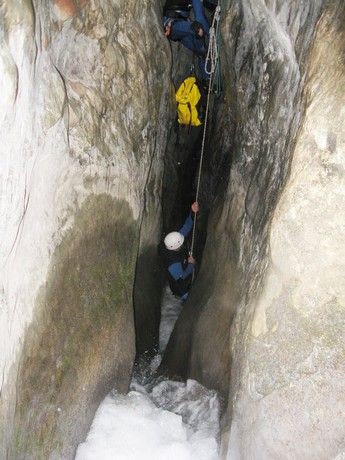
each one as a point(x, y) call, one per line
point(211, 67)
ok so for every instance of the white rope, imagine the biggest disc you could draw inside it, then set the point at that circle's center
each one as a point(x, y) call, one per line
point(212, 56)
point(212, 52)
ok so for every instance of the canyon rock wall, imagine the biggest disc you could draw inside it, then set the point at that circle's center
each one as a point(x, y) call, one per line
point(289, 401)
point(86, 110)
point(83, 124)
point(264, 323)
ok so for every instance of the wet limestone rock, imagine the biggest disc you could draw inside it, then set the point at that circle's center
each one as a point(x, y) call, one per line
point(290, 402)
point(82, 123)
point(264, 324)
point(257, 121)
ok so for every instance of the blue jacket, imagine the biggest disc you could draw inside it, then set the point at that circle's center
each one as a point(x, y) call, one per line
point(183, 32)
point(180, 271)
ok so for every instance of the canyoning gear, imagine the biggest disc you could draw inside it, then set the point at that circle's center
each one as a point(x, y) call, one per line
point(212, 61)
point(188, 97)
point(179, 266)
point(174, 9)
point(180, 29)
point(179, 270)
point(173, 240)
point(213, 74)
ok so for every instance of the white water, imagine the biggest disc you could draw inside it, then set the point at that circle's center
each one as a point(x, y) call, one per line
point(156, 420)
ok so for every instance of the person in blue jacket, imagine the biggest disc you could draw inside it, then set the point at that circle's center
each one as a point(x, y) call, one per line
point(193, 35)
point(178, 263)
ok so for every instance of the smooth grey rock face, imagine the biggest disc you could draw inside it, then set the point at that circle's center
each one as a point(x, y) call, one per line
point(290, 402)
point(83, 124)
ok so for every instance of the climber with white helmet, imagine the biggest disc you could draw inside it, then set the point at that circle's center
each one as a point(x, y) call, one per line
point(179, 264)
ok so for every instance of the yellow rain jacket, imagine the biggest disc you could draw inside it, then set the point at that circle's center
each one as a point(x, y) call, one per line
point(187, 97)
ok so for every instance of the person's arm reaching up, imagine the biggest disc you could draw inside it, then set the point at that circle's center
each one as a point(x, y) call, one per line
point(188, 225)
point(200, 15)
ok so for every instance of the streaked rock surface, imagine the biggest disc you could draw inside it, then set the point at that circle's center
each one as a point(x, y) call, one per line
point(84, 118)
point(82, 121)
point(290, 402)
point(265, 322)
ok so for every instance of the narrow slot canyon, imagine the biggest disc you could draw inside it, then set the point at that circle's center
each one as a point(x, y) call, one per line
point(95, 170)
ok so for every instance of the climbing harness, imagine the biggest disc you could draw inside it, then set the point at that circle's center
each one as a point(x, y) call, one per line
point(211, 68)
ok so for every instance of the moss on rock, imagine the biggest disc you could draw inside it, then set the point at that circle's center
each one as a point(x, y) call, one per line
point(81, 342)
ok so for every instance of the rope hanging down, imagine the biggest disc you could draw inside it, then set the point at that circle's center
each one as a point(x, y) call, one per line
point(212, 52)
point(211, 67)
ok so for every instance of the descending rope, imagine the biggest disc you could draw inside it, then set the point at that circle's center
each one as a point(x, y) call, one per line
point(211, 66)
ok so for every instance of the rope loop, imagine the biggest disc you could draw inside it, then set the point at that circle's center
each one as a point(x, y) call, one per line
point(212, 52)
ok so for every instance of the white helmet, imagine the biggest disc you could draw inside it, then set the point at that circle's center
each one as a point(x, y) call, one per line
point(173, 240)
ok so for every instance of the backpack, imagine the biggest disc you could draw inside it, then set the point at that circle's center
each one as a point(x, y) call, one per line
point(187, 97)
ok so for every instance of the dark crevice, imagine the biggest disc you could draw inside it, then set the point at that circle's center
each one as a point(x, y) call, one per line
point(181, 163)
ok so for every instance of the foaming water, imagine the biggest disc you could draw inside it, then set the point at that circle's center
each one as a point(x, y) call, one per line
point(157, 419)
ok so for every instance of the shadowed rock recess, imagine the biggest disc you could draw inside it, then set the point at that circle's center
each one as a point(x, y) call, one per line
point(89, 152)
